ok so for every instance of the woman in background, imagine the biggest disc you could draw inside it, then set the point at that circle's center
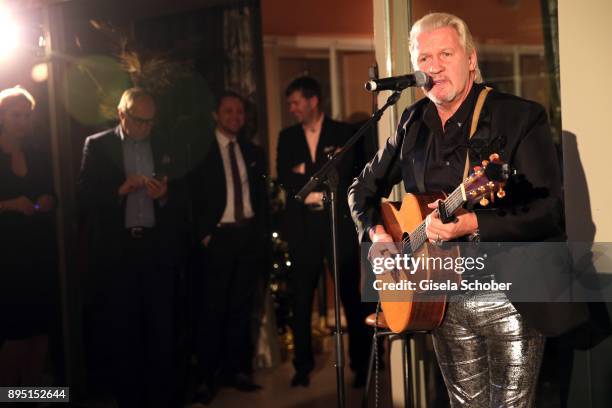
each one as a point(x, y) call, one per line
point(27, 262)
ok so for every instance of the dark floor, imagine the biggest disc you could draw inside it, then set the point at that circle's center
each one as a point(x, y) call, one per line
point(277, 392)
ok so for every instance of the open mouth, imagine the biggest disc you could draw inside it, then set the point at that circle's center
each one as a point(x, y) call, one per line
point(435, 83)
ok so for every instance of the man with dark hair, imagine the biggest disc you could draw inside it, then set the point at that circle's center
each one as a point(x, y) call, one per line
point(302, 150)
point(309, 88)
point(123, 186)
point(230, 206)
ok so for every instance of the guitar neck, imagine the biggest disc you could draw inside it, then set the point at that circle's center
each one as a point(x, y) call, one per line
point(418, 237)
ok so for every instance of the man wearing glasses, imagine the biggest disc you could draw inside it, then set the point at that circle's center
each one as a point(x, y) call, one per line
point(123, 187)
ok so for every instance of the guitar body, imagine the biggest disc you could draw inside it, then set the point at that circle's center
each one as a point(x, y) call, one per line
point(403, 310)
point(406, 295)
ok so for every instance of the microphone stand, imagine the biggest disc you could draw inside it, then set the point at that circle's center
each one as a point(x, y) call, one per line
point(328, 175)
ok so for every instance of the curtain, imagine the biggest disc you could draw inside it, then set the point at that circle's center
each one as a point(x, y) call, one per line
point(243, 64)
point(550, 26)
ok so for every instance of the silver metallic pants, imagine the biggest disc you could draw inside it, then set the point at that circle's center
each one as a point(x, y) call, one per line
point(488, 355)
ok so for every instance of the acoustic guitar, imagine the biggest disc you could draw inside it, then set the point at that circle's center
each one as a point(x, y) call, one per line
point(405, 222)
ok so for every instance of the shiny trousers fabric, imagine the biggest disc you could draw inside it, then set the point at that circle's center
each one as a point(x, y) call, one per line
point(488, 355)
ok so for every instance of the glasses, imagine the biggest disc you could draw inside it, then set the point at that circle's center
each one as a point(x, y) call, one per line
point(140, 121)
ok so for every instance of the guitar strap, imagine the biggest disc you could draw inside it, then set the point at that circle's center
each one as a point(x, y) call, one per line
point(477, 109)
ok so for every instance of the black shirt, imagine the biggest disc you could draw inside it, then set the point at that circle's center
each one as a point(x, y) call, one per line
point(446, 158)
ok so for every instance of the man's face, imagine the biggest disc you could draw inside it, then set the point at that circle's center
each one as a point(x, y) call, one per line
point(230, 116)
point(441, 56)
point(303, 109)
point(137, 121)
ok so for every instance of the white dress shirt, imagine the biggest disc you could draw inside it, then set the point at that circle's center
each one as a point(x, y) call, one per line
point(228, 214)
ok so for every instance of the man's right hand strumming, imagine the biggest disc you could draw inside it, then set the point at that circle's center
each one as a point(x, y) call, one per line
point(382, 244)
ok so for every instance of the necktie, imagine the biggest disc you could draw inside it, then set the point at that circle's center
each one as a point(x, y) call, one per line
point(238, 202)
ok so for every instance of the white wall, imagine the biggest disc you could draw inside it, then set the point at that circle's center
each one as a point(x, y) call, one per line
point(585, 53)
point(585, 32)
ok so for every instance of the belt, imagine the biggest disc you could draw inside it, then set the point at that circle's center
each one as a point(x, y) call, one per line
point(238, 224)
point(139, 232)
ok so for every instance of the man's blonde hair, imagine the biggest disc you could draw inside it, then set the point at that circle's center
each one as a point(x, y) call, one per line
point(433, 21)
point(129, 96)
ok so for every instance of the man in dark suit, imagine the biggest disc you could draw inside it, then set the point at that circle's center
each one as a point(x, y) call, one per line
point(123, 188)
point(230, 206)
point(489, 352)
point(302, 150)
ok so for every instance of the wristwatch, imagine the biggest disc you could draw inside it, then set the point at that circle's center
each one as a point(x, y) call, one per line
point(474, 237)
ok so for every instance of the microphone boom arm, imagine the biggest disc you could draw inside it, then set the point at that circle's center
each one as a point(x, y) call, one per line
point(328, 175)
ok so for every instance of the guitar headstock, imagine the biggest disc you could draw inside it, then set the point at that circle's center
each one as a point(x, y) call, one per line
point(487, 181)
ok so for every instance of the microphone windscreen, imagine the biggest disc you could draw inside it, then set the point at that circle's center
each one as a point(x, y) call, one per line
point(421, 79)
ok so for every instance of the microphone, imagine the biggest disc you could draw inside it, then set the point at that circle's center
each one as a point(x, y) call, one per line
point(398, 83)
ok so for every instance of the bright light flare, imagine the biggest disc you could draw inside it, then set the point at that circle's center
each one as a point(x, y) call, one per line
point(9, 33)
point(40, 72)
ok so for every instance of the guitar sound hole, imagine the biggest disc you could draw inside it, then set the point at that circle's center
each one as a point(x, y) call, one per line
point(406, 243)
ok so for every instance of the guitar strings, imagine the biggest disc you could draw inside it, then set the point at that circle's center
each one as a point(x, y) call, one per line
point(419, 236)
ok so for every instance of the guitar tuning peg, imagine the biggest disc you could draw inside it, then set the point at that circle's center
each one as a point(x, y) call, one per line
point(494, 157)
point(484, 202)
point(501, 193)
point(485, 163)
